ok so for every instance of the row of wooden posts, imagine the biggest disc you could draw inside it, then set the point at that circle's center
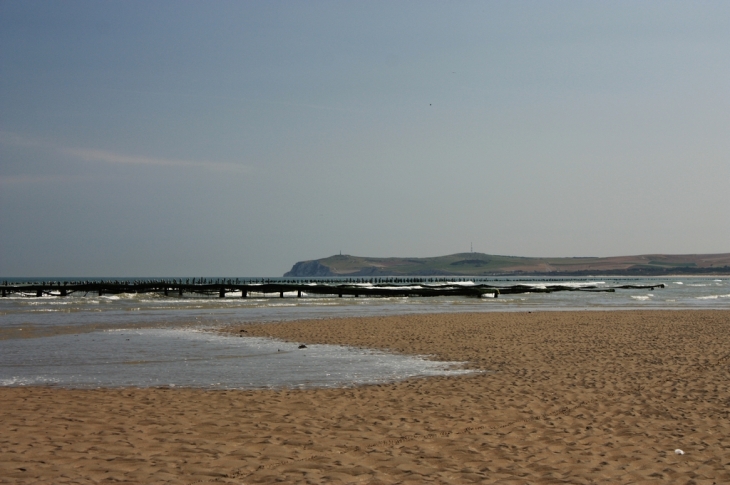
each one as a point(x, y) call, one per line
point(378, 290)
point(221, 290)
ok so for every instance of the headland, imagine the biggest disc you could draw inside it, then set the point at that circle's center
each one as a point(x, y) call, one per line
point(480, 264)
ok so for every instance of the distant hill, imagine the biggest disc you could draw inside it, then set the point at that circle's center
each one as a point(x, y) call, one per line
point(479, 264)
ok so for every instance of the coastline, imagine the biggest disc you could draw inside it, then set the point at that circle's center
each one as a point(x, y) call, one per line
point(568, 397)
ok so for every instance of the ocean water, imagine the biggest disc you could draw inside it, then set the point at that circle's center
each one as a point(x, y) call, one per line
point(65, 340)
point(152, 309)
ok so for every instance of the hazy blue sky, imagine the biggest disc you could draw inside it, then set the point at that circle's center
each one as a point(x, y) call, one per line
point(237, 138)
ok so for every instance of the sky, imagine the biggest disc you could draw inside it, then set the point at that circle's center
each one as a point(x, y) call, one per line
point(191, 138)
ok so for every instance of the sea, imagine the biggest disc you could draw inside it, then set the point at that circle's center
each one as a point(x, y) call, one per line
point(152, 340)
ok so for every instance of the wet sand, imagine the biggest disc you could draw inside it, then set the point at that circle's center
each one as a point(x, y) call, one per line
point(568, 397)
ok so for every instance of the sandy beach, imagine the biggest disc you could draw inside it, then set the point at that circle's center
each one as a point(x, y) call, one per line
point(562, 397)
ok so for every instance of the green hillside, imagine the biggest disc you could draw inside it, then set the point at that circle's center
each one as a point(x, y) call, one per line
point(479, 264)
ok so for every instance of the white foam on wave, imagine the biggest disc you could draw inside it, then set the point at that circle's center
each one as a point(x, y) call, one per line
point(27, 381)
point(59, 301)
point(568, 284)
point(449, 283)
point(640, 297)
point(678, 283)
point(414, 287)
point(711, 297)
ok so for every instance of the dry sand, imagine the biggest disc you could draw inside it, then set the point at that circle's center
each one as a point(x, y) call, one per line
point(573, 397)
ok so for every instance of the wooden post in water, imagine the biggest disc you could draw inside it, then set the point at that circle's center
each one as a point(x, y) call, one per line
point(180, 291)
point(100, 291)
point(63, 292)
point(299, 293)
point(244, 293)
point(281, 294)
point(222, 293)
point(166, 291)
point(4, 293)
point(39, 293)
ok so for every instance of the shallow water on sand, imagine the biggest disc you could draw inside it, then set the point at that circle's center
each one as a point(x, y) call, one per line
point(194, 358)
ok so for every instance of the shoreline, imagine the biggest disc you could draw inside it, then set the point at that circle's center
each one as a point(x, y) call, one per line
point(32, 330)
point(571, 397)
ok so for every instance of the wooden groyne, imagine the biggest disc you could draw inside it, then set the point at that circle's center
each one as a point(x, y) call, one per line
point(268, 288)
